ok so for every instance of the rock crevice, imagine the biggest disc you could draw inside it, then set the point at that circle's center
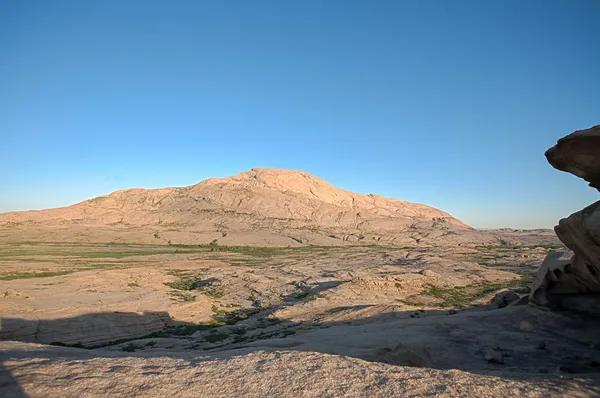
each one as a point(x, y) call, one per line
point(574, 283)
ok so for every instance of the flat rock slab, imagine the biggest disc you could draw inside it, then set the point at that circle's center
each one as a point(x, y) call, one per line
point(31, 370)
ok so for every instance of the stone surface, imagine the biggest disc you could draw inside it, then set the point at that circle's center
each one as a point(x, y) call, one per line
point(578, 154)
point(119, 296)
point(575, 283)
point(503, 299)
point(553, 267)
point(30, 370)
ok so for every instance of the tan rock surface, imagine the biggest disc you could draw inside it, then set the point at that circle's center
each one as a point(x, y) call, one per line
point(40, 371)
point(577, 154)
point(263, 207)
point(114, 292)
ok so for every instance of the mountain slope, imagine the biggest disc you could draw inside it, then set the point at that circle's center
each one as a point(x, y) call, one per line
point(261, 206)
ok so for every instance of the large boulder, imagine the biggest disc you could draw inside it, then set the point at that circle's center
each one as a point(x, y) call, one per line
point(574, 282)
point(578, 154)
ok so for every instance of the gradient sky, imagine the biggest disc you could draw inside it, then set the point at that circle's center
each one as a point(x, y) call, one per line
point(447, 103)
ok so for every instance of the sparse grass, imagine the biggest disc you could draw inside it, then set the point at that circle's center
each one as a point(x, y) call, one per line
point(262, 336)
point(28, 275)
point(72, 253)
point(133, 284)
point(183, 297)
point(215, 336)
point(306, 293)
point(185, 330)
point(463, 296)
point(184, 283)
point(233, 317)
point(454, 297)
point(240, 315)
point(238, 331)
point(218, 311)
point(188, 282)
point(180, 273)
point(214, 294)
point(26, 259)
point(131, 347)
point(241, 261)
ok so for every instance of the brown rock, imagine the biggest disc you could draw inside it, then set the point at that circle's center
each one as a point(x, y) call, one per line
point(494, 356)
point(559, 279)
point(504, 298)
point(578, 154)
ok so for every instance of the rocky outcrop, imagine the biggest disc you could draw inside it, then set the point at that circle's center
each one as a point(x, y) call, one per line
point(574, 282)
point(263, 207)
point(87, 330)
point(578, 154)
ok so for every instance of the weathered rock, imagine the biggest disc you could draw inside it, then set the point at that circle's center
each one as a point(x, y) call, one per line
point(261, 207)
point(504, 298)
point(578, 154)
point(404, 355)
point(87, 330)
point(560, 282)
point(553, 267)
point(31, 370)
point(429, 273)
point(494, 356)
point(580, 232)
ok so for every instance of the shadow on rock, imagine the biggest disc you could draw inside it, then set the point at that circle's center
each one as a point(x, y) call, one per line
point(87, 330)
point(520, 342)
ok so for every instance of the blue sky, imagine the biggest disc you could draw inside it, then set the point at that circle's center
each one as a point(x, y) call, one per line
point(451, 104)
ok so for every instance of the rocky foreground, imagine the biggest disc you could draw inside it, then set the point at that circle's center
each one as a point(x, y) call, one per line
point(43, 371)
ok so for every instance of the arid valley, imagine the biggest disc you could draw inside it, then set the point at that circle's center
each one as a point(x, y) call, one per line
point(275, 283)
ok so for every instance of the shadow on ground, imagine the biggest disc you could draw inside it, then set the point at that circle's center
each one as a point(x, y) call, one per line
point(521, 342)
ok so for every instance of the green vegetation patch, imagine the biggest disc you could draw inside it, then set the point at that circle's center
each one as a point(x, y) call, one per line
point(27, 275)
point(463, 296)
point(182, 297)
point(185, 283)
point(215, 336)
point(185, 330)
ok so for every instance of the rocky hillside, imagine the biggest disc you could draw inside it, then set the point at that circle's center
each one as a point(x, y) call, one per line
point(259, 207)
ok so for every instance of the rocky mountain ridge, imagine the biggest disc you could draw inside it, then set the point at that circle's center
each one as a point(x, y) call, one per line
point(268, 207)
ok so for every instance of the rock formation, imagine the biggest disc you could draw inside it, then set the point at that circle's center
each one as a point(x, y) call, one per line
point(574, 282)
point(263, 207)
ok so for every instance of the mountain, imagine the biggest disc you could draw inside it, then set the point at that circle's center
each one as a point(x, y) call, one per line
point(266, 207)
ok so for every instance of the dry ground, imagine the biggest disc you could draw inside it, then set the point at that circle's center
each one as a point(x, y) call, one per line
point(420, 307)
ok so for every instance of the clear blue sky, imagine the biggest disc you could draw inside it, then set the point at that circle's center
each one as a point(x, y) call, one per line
point(447, 103)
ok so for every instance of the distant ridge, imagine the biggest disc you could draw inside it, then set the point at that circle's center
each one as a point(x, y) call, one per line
point(270, 207)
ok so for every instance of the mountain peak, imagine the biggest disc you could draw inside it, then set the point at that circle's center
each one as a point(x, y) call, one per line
point(279, 203)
